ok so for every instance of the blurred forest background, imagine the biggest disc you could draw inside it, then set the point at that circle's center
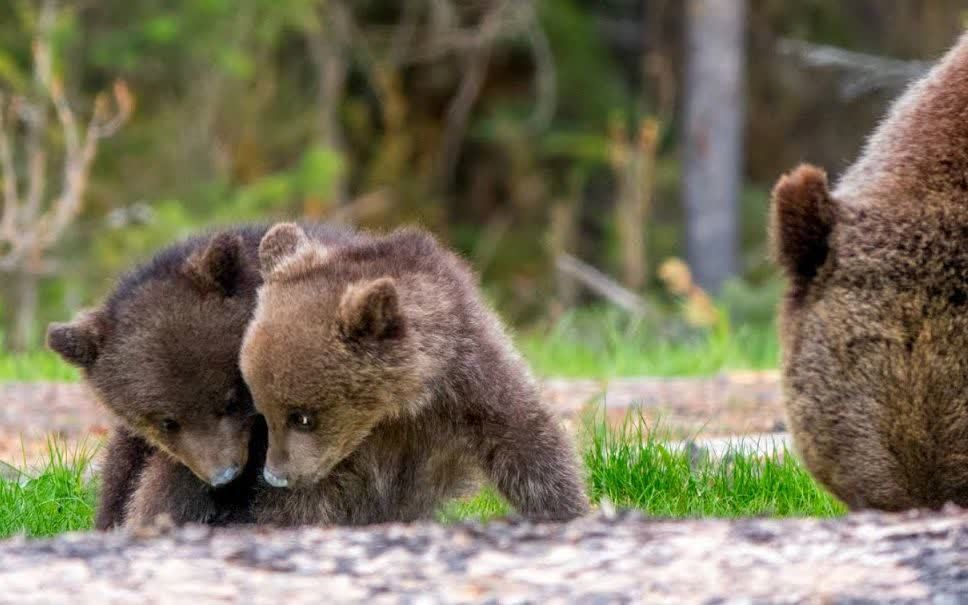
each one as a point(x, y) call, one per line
point(571, 149)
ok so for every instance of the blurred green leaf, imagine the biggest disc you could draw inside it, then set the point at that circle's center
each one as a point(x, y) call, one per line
point(11, 72)
point(318, 171)
point(163, 28)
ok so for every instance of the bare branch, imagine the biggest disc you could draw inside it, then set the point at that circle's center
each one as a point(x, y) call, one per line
point(36, 172)
point(66, 116)
point(504, 20)
point(443, 16)
point(44, 75)
point(8, 175)
point(458, 113)
point(28, 232)
point(545, 78)
point(867, 72)
point(328, 49)
point(406, 30)
point(602, 284)
point(475, 65)
point(36, 120)
point(77, 165)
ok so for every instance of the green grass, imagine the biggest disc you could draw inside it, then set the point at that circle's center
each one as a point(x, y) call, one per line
point(629, 468)
point(486, 505)
point(608, 344)
point(663, 482)
point(35, 366)
point(633, 468)
point(58, 498)
point(591, 343)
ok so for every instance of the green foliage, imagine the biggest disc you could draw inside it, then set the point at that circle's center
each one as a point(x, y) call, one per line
point(584, 65)
point(275, 195)
point(230, 118)
point(314, 177)
point(57, 498)
point(608, 343)
point(226, 34)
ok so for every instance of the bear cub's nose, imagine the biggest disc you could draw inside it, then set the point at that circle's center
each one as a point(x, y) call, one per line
point(226, 475)
point(275, 479)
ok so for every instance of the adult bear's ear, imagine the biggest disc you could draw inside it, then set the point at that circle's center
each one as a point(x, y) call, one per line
point(78, 342)
point(280, 243)
point(371, 310)
point(802, 217)
point(219, 266)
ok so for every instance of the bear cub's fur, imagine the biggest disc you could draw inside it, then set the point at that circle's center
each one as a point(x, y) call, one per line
point(388, 386)
point(874, 326)
point(161, 354)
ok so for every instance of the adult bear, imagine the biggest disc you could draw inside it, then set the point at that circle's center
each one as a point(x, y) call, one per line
point(875, 322)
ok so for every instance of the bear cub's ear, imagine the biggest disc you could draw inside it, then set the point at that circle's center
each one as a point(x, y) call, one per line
point(371, 310)
point(79, 341)
point(802, 216)
point(219, 267)
point(281, 242)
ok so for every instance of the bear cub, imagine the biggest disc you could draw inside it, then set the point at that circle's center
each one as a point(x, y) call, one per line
point(161, 354)
point(388, 386)
point(874, 325)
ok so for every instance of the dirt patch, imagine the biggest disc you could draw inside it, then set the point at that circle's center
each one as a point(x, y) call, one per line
point(33, 413)
point(863, 558)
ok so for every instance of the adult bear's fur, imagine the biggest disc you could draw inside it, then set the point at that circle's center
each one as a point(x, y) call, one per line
point(875, 322)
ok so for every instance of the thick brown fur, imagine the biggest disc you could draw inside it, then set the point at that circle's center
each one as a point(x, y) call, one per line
point(388, 386)
point(161, 354)
point(875, 324)
point(125, 457)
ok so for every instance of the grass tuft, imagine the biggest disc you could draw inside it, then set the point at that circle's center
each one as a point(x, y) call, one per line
point(57, 498)
point(633, 467)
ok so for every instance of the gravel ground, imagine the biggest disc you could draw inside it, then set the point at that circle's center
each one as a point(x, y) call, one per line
point(730, 404)
point(869, 558)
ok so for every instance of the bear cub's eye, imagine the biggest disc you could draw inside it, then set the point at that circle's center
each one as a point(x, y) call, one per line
point(301, 421)
point(168, 425)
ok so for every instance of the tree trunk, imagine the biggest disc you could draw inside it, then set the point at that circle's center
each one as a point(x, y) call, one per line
point(713, 145)
point(25, 312)
point(330, 53)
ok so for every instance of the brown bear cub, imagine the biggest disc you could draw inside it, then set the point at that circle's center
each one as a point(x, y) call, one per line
point(162, 354)
point(388, 386)
point(875, 322)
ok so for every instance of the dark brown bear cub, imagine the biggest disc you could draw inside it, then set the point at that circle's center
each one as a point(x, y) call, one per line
point(875, 323)
point(162, 354)
point(388, 387)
